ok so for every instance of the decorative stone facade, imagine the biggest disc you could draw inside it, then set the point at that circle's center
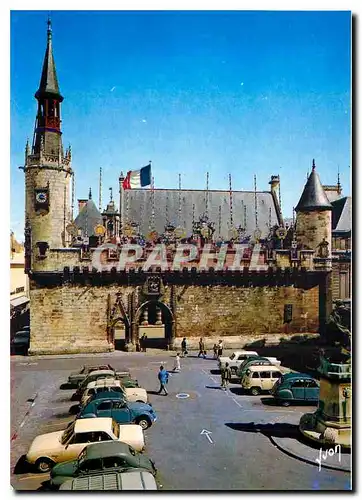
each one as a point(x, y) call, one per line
point(279, 287)
point(76, 315)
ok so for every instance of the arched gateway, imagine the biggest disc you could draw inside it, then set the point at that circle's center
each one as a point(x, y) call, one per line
point(154, 318)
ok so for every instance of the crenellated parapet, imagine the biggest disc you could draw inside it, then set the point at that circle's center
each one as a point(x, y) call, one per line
point(161, 258)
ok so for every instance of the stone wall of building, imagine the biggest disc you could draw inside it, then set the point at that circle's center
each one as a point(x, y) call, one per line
point(70, 319)
point(221, 310)
point(312, 228)
point(73, 318)
point(47, 226)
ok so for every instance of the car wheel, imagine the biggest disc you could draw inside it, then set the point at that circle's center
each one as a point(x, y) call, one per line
point(255, 391)
point(144, 422)
point(44, 464)
point(285, 403)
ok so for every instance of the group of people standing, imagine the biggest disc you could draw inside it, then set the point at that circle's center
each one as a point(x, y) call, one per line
point(218, 348)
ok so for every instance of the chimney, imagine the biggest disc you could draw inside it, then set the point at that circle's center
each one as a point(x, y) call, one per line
point(274, 182)
point(81, 204)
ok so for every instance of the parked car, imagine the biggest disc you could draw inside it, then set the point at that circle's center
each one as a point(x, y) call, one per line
point(75, 378)
point(252, 361)
point(61, 446)
point(20, 342)
point(131, 480)
point(236, 359)
point(100, 374)
point(99, 458)
point(113, 404)
point(260, 378)
point(131, 394)
point(296, 388)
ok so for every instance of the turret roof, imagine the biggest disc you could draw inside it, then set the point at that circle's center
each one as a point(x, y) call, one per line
point(88, 218)
point(48, 81)
point(313, 196)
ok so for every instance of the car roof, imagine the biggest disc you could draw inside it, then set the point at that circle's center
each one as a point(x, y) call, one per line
point(131, 480)
point(108, 395)
point(256, 358)
point(292, 375)
point(100, 373)
point(104, 382)
point(93, 424)
point(263, 368)
point(107, 449)
point(243, 351)
point(98, 367)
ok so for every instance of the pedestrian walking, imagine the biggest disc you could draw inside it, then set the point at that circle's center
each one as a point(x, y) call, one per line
point(225, 376)
point(215, 351)
point(177, 367)
point(220, 348)
point(163, 379)
point(201, 348)
point(184, 347)
point(143, 342)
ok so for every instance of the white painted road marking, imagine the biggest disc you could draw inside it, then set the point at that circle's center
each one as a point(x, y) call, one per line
point(182, 395)
point(207, 434)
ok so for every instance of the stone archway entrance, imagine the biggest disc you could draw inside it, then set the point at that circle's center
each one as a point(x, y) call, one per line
point(156, 320)
point(119, 333)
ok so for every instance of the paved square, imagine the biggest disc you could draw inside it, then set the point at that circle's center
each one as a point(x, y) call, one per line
point(207, 440)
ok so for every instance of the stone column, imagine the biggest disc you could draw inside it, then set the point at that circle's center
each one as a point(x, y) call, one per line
point(325, 301)
point(145, 316)
point(158, 316)
point(134, 326)
point(173, 330)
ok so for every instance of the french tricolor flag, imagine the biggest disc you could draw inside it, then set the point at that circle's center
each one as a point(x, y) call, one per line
point(138, 178)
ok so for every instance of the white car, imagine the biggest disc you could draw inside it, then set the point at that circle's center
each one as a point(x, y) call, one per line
point(49, 449)
point(236, 359)
point(132, 394)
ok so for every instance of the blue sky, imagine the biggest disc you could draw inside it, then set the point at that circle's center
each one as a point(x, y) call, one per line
point(225, 92)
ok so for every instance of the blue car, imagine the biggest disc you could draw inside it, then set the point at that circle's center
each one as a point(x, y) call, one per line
point(112, 404)
point(296, 388)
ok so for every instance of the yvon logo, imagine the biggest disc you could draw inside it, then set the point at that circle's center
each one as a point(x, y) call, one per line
point(331, 452)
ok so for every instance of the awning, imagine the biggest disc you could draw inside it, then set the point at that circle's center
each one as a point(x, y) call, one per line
point(19, 301)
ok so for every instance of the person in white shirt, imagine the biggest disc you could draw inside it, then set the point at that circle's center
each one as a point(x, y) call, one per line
point(177, 367)
point(220, 348)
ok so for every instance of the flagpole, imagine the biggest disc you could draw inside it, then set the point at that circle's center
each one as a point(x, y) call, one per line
point(121, 203)
point(231, 202)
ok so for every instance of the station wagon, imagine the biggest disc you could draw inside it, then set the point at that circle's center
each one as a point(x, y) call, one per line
point(260, 378)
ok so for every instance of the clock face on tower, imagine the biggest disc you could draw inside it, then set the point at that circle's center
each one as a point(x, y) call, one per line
point(42, 199)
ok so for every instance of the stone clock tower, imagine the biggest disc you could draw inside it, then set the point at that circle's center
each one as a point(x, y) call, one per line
point(47, 171)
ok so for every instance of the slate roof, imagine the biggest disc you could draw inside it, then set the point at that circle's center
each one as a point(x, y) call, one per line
point(342, 214)
point(88, 218)
point(313, 196)
point(49, 81)
point(166, 209)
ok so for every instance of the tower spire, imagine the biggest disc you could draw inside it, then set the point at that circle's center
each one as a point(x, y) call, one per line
point(49, 86)
point(313, 196)
point(47, 133)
